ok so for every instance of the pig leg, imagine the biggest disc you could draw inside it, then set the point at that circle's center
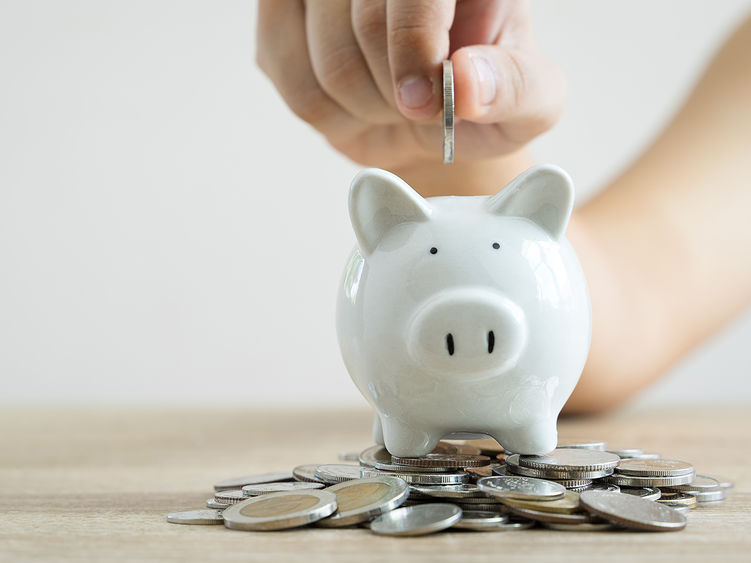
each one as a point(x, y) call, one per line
point(402, 439)
point(535, 438)
point(377, 429)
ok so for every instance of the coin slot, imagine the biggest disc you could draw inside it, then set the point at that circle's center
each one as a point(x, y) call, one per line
point(450, 343)
point(433, 250)
point(496, 245)
point(491, 342)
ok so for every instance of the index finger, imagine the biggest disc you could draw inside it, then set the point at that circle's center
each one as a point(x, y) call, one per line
point(418, 40)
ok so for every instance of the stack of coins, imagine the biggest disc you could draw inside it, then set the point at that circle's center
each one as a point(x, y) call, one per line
point(580, 486)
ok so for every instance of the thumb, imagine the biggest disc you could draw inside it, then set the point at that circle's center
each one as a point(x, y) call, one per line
point(418, 40)
point(519, 89)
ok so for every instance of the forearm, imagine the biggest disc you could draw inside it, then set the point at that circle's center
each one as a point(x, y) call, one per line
point(667, 247)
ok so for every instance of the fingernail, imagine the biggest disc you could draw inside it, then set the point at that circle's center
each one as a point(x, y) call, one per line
point(415, 91)
point(485, 79)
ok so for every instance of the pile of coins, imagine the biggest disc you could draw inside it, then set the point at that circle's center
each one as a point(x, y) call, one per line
point(474, 485)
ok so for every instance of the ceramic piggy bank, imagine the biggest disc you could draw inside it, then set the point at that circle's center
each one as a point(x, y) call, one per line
point(464, 314)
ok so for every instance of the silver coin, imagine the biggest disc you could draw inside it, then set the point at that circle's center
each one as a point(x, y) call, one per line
point(430, 461)
point(583, 527)
point(513, 467)
point(349, 456)
point(448, 112)
point(480, 520)
point(632, 512)
point(501, 470)
point(360, 500)
point(700, 483)
point(574, 483)
point(647, 493)
point(677, 497)
point(583, 444)
point(392, 466)
point(553, 517)
point(266, 488)
point(417, 520)
point(449, 491)
point(483, 506)
point(565, 459)
point(240, 482)
point(229, 496)
point(521, 487)
point(682, 508)
point(708, 496)
point(213, 503)
point(634, 481)
point(419, 478)
point(602, 486)
point(627, 453)
point(199, 517)
point(333, 473)
point(725, 483)
point(278, 511)
point(477, 500)
point(306, 473)
point(654, 467)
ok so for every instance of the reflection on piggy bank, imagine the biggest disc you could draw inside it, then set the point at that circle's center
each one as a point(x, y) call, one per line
point(464, 314)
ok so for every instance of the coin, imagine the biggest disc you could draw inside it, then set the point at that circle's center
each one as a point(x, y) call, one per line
point(627, 453)
point(201, 517)
point(575, 483)
point(306, 473)
point(554, 517)
point(419, 478)
point(678, 498)
point(443, 460)
point(632, 512)
point(583, 527)
point(647, 493)
point(708, 496)
point(476, 473)
point(521, 487)
point(599, 485)
point(682, 508)
point(634, 481)
point(654, 467)
point(568, 504)
point(565, 459)
point(700, 483)
point(512, 466)
point(277, 511)
point(266, 488)
point(349, 456)
point(240, 482)
point(448, 112)
point(229, 496)
point(213, 503)
point(582, 444)
point(480, 520)
point(333, 473)
point(417, 520)
point(449, 491)
point(360, 500)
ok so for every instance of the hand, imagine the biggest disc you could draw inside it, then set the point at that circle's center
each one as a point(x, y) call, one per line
point(367, 74)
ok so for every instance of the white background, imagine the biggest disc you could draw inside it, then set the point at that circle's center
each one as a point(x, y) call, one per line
point(171, 233)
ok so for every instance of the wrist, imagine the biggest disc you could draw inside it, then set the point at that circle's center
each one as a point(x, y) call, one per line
point(474, 177)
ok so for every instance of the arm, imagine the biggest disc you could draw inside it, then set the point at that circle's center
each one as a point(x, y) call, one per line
point(667, 247)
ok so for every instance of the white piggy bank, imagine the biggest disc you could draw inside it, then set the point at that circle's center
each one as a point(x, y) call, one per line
point(464, 314)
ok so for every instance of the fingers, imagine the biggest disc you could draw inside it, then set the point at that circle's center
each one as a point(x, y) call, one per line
point(339, 65)
point(282, 53)
point(519, 89)
point(418, 40)
point(369, 27)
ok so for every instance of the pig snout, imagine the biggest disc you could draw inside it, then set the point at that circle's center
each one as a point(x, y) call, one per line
point(467, 331)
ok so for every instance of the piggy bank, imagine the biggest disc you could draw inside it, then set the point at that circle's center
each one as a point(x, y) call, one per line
point(464, 314)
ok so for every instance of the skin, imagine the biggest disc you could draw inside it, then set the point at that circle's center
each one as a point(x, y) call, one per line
point(665, 247)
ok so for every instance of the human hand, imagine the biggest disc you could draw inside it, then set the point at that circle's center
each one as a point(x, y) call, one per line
point(367, 74)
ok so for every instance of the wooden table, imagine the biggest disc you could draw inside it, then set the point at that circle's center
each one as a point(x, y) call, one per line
point(97, 484)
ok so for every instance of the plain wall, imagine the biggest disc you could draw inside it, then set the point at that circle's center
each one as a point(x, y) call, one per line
point(171, 233)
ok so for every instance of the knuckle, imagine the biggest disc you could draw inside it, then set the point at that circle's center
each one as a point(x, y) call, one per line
point(310, 105)
point(369, 22)
point(339, 69)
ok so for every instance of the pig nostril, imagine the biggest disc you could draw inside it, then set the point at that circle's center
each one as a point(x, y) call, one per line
point(491, 342)
point(450, 344)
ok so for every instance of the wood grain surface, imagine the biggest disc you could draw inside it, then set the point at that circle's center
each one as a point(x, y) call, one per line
point(97, 484)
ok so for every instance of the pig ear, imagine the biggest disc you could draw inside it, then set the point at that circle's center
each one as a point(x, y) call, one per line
point(543, 194)
point(378, 201)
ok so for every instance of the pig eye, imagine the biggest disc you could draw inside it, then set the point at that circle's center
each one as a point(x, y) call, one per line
point(433, 250)
point(496, 245)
